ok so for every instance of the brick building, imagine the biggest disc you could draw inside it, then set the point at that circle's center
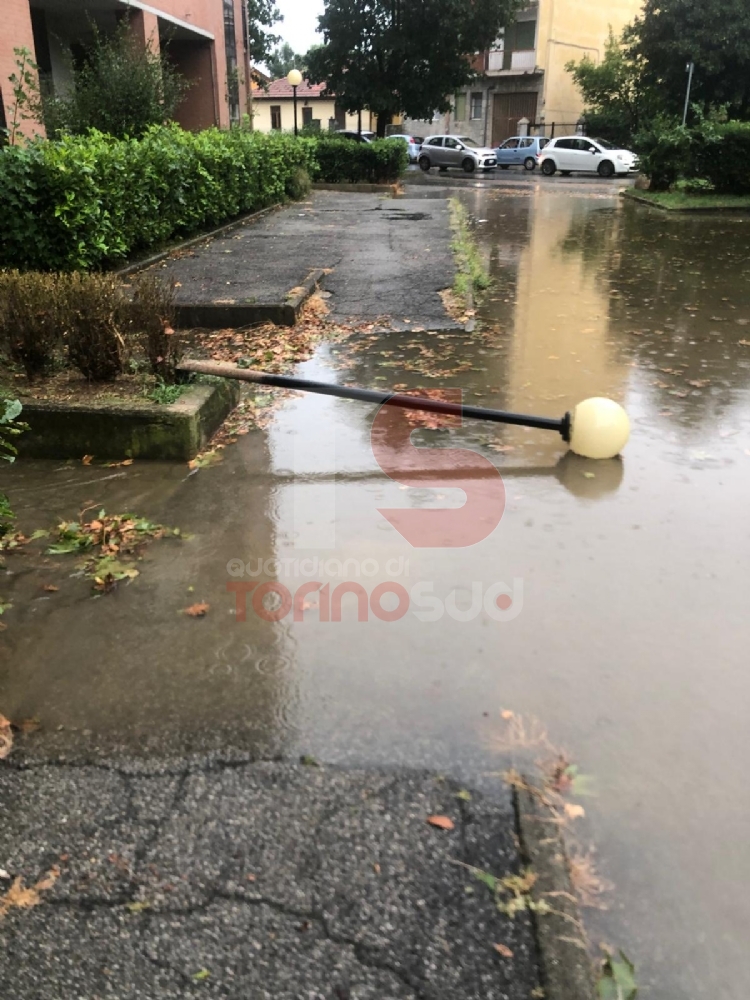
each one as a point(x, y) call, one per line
point(205, 39)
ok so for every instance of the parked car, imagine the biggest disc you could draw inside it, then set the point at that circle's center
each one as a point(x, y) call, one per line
point(413, 142)
point(455, 151)
point(349, 133)
point(521, 150)
point(573, 153)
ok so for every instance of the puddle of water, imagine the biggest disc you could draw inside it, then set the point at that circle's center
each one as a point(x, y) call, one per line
point(627, 578)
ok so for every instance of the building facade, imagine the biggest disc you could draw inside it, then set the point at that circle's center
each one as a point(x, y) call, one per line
point(205, 39)
point(273, 109)
point(523, 75)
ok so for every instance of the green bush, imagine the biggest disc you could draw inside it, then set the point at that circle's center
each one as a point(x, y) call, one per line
point(709, 156)
point(728, 167)
point(10, 427)
point(90, 201)
point(346, 161)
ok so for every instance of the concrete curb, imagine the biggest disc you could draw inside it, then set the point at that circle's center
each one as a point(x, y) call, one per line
point(143, 263)
point(220, 315)
point(566, 969)
point(358, 188)
point(692, 210)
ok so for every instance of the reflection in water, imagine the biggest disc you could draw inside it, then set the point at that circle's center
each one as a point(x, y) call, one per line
point(629, 576)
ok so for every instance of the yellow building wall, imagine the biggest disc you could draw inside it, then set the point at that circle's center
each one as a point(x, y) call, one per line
point(323, 109)
point(570, 29)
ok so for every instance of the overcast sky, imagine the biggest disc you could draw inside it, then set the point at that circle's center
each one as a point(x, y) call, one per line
point(300, 22)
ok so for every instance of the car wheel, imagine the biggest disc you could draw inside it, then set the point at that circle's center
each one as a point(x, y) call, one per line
point(469, 165)
point(548, 168)
point(529, 163)
point(424, 162)
point(504, 166)
point(606, 168)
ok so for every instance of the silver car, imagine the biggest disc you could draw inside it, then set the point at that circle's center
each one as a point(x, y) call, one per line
point(460, 151)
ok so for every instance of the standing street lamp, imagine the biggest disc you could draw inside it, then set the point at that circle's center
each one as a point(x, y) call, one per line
point(689, 70)
point(294, 79)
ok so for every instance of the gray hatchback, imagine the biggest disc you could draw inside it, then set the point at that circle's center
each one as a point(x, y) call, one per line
point(460, 151)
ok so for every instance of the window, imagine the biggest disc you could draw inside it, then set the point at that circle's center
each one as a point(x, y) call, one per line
point(520, 37)
point(476, 105)
point(437, 141)
point(276, 117)
point(566, 144)
point(510, 144)
point(452, 144)
point(525, 143)
point(307, 116)
point(459, 110)
point(233, 75)
point(543, 142)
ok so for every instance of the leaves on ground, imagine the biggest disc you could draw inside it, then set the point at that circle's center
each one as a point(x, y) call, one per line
point(573, 811)
point(6, 737)
point(617, 979)
point(202, 975)
point(198, 610)
point(22, 898)
point(442, 822)
point(109, 544)
point(504, 950)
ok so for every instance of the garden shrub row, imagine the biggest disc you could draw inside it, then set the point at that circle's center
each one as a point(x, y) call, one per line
point(343, 161)
point(709, 156)
point(87, 202)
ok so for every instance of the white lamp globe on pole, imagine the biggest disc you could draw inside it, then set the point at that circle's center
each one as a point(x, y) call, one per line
point(294, 79)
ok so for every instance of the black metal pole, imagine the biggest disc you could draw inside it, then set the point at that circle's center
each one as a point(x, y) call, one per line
point(295, 110)
point(383, 398)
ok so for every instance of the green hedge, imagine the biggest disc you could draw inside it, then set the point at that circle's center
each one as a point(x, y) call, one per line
point(91, 201)
point(346, 161)
point(716, 153)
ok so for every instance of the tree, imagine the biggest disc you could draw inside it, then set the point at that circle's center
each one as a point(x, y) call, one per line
point(282, 60)
point(613, 92)
point(122, 87)
point(394, 56)
point(715, 34)
point(261, 16)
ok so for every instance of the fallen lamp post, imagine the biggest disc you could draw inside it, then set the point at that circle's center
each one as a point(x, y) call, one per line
point(596, 428)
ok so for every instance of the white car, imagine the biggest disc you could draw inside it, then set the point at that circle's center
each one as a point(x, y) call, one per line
point(455, 151)
point(579, 154)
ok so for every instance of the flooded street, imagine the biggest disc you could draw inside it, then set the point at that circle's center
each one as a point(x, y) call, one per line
point(625, 625)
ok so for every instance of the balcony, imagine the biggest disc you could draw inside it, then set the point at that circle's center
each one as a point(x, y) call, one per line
point(519, 61)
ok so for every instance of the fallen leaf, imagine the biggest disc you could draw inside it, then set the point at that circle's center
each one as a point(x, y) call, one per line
point(507, 714)
point(27, 725)
point(504, 950)
point(202, 975)
point(197, 610)
point(250, 878)
point(50, 588)
point(22, 898)
point(464, 795)
point(443, 822)
point(3, 873)
point(573, 811)
point(6, 737)
point(87, 459)
point(376, 868)
point(139, 906)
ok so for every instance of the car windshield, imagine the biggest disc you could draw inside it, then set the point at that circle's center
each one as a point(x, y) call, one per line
point(605, 144)
point(468, 142)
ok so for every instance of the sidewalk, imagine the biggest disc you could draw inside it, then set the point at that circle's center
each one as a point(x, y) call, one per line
point(246, 880)
point(387, 257)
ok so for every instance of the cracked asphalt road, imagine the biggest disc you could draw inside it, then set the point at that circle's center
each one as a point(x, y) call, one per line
point(387, 257)
point(227, 878)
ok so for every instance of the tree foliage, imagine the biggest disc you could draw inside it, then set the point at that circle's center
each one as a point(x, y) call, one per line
point(121, 88)
point(262, 15)
point(395, 56)
point(615, 98)
point(715, 34)
point(282, 60)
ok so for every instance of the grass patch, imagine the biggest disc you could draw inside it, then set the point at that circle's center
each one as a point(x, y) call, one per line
point(679, 201)
point(164, 394)
point(472, 278)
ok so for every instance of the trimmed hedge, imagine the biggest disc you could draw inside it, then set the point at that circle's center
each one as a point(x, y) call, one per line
point(717, 154)
point(346, 161)
point(91, 201)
